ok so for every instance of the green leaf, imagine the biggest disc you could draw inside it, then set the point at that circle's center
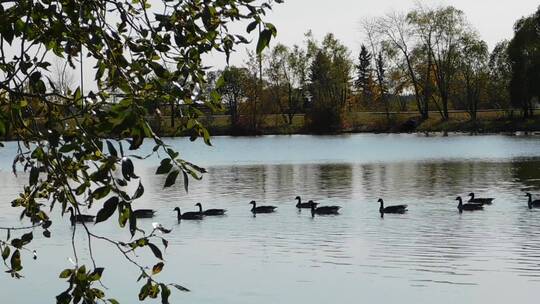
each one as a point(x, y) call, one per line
point(165, 293)
point(17, 243)
point(252, 26)
point(171, 178)
point(160, 71)
point(77, 96)
point(264, 40)
point(5, 253)
point(112, 149)
point(124, 216)
point(144, 292)
point(46, 224)
point(66, 273)
point(165, 243)
point(113, 301)
point(132, 224)
point(220, 82)
point(81, 189)
point(206, 136)
point(272, 28)
point(156, 251)
point(16, 261)
point(139, 192)
point(165, 167)
point(108, 209)
point(101, 192)
point(121, 182)
point(186, 180)
point(96, 274)
point(63, 298)
point(34, 174)
point(179, 287)
point(27, 238)
point(98, 293)
point(157, 268)
point(46, 233)
point(127, 169)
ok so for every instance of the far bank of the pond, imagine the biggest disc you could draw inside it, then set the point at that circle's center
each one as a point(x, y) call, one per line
point(372, 122)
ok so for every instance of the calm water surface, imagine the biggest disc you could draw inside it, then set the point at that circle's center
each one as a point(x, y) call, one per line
point(430, 255)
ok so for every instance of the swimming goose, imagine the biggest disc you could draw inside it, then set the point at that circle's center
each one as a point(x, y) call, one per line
point(531, 203)
point(261, 209)
point(468, 206)
point(397, 209)
point(144, 213)
point(79, 218)
point(188, 215)
point(211, 212)
point(483, 201)
point(324, 210)
point(307, 205)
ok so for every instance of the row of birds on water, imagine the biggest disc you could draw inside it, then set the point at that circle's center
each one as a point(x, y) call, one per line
point(473, 204)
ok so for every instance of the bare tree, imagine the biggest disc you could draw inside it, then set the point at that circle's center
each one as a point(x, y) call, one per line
point(377, 49)
point(397, 31)
point(440, 30)
point(63, 78)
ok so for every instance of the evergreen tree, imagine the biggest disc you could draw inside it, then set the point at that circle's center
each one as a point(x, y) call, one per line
point(364, 72)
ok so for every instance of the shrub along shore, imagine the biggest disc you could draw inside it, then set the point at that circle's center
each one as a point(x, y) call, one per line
point(489, 121)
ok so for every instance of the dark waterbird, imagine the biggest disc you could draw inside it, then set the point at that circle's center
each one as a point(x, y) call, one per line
point(144, 213)
point(469, 206)
point(210, 212)
point(79, 218)
point(396, 209)
point(531, 203)
point(307, 205)
point(480, 200)
point(188, 215)
point(261, 209)
point(324, 210)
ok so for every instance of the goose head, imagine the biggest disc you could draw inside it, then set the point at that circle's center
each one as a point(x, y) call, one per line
point(198, 205)
point(312, 210)
point(381, 209)
point(71, 211)
point(529, 203)
point(252, 203)
point(460, 205)
point(471, 195)
point(178, 213)
point(71, 216)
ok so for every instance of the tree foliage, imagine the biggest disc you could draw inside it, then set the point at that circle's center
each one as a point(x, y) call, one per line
point(76, 147)
point(500, 73)
point(330, 80)
point(524, 55)
point(364, 77)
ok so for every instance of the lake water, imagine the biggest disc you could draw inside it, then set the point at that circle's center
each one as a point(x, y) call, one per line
point(432, 254)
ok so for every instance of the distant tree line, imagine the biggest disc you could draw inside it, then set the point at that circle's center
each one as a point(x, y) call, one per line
point(428, 59)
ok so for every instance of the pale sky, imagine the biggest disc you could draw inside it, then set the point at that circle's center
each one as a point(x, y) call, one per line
point(494, 19)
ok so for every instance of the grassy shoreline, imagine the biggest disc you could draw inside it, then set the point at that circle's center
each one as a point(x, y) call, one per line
point(376, 122)
point(487, 122)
